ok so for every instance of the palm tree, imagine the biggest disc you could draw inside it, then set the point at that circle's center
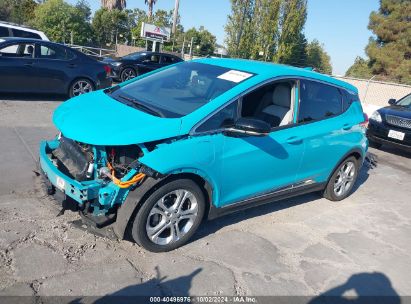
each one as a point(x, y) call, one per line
point(113, 4)
point(150, 4)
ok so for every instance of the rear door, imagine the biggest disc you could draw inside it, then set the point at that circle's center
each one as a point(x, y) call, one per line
point(328, 130)
point(53, 64)
point(17, 72)
point(151, 62)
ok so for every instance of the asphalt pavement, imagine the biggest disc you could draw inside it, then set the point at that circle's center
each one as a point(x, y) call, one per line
point(301, 246)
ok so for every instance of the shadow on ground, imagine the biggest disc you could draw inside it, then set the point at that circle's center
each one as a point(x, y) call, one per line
point(145, 292)
point(32, 97)
point(368, 288)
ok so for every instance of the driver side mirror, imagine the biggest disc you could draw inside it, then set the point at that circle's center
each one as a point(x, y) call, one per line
point(248, 127)
point(392, 101)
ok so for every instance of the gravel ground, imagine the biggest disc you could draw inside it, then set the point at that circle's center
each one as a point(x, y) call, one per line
point(302, 246)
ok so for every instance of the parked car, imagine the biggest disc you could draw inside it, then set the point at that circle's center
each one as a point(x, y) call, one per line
point(392, 124)
point(138, 63)
point(37, 66)
point(8, 29)
point(158, 154)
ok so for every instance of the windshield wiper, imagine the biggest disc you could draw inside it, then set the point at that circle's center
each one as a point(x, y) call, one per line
point(137, 104)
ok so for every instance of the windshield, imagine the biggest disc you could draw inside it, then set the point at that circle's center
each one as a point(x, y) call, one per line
point(180, 89)
point(405, 102)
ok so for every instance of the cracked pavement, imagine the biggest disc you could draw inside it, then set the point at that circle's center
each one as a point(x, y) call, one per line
point(301, 246)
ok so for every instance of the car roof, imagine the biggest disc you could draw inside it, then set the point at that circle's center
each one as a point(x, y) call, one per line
point(269, 70)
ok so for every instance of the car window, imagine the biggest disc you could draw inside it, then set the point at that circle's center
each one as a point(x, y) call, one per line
point(4, 31)
point(25, 34)
point(405, 102)
point(25, 50)
point(53, 52)
point(168, 59)
point(152, 58)
point(318, 101)
point(223, 118)
point(272, 103)
point(348, 99)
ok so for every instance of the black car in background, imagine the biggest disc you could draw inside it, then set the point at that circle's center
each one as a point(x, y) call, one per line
point(392, 124)
point(38, 66)
point(138, 63)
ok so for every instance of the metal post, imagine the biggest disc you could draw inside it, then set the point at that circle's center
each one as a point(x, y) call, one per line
point(182, 49)
point(176, 5)
point(366, 89)
point(191, 47)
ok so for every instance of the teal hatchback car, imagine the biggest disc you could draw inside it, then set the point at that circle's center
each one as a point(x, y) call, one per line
point(155, 155)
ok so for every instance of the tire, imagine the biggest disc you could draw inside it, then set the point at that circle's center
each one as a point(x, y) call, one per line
point(127, 74)
point(374, 144)
point(157, 222)
point(80, 86)
point(346, 179)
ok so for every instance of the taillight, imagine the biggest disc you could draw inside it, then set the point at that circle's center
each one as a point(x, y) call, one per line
point(108, 70)
point(365, 122)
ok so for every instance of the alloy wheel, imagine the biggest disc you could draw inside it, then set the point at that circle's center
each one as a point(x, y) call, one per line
point(81, 87)
point(128, 74)
point(345, 178)
point(172, 217)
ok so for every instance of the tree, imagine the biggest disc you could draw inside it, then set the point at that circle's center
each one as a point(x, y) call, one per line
point(318, 58)
point(150, 4)
point(390, 51)
point(360, 69)
point(110, 25)
point(62, 21)
point(113, 4)
point(292, 43)
point(240, 32)
point(203, 41)
point(265, 19)
point(17, 11)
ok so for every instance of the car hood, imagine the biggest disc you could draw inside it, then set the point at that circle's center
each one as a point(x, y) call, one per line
point(395, 110)
point(96, 118)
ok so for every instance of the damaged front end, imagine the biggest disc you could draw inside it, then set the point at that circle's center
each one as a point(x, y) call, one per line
point(97, 179)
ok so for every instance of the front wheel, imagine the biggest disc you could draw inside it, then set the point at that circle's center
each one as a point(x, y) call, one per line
point(169, 217)
point(343, 179)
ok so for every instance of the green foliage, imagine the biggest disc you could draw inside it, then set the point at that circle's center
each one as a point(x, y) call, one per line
point(203, 43)
point(266, 26)
point(240, 29)
point(292, 43)
point(61, 21)
point(360, 69)
point(390, 51)
point(110, 26)
point(318, 58)
point(270, 30)
point(17, 11)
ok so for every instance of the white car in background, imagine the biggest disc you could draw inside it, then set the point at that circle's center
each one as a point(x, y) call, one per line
point(14, 30)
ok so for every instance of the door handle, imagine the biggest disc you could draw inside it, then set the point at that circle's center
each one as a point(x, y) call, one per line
point(347, 126)
point(294, 140)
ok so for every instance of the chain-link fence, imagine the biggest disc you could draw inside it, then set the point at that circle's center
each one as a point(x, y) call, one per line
point(375, 92)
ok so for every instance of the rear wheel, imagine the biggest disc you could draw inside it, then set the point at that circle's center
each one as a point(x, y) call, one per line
point(127, 74)
point(169, 217)
point(80, 86)
point(342, 181)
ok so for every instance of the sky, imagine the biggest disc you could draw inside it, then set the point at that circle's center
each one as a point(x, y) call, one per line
point(340, 25)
